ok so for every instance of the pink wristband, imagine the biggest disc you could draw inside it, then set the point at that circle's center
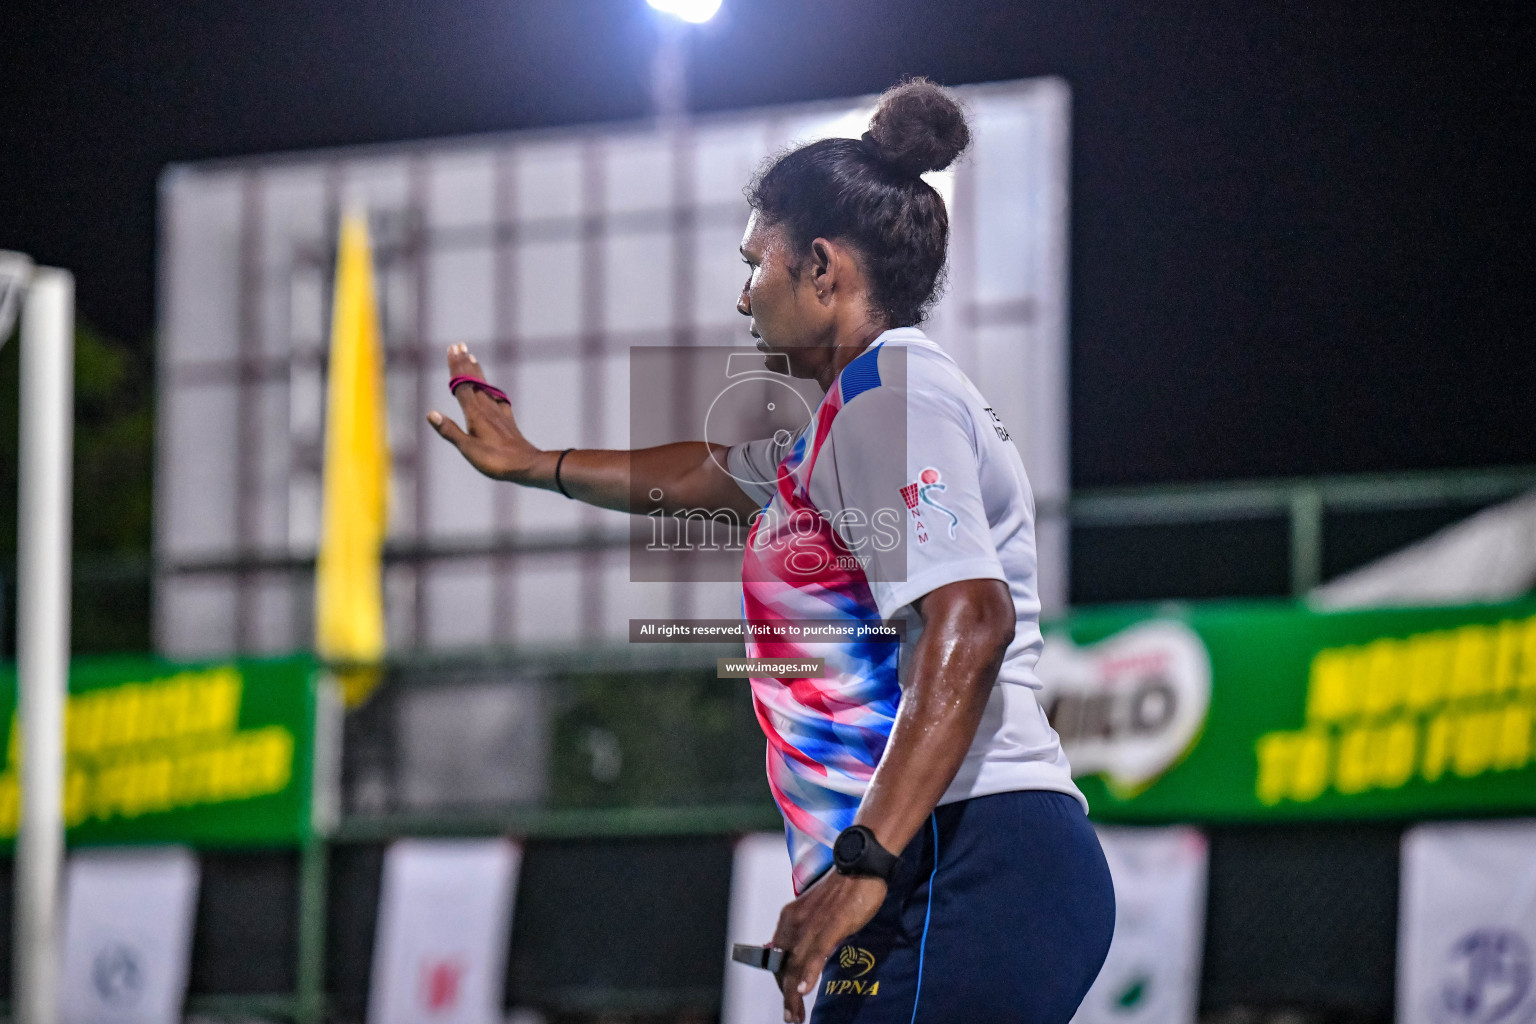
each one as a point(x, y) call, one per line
point(490, 389)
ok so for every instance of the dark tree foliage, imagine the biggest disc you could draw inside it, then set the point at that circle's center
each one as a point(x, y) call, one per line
point(113, 472)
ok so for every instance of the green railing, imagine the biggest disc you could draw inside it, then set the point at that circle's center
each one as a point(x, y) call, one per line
point(1302, 501)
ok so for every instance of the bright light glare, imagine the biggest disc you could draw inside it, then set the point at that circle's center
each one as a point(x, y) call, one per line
point(845, 126)
point(696, 11)
point(943, 183)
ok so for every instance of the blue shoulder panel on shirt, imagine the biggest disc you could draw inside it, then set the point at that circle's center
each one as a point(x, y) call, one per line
point(861, 375)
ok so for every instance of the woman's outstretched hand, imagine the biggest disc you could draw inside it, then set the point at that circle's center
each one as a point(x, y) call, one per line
point(490, 439)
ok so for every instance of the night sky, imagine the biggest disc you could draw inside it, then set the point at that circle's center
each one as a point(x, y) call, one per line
point(1301, 233)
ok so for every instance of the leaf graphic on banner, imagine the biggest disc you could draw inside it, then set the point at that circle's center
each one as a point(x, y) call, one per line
point(1133, 994)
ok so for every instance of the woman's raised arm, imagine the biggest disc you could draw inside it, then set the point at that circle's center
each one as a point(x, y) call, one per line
point(688, 474)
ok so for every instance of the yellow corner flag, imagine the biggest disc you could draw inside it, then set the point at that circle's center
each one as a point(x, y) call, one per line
point(349, 584)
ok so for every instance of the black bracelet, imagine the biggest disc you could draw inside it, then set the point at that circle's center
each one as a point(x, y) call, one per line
point(558, 462)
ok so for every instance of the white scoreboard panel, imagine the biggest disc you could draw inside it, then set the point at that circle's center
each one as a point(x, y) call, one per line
point(551, 253)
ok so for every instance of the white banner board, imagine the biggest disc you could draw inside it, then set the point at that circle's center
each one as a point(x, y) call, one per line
point(1467, 929)
point(127, 935)
point(445, 914)
point(760, 886)
point(1152, 973)
point(552, 254)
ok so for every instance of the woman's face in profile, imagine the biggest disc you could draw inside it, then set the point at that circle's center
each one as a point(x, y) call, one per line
point(786, 318)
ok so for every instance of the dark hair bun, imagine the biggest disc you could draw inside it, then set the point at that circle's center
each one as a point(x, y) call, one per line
point(919, 127)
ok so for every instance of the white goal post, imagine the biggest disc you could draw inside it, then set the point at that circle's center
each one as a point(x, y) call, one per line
point(45, 299)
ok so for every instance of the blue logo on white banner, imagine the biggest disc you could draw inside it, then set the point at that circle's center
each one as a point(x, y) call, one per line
point(116, 975)
point(1487, 980)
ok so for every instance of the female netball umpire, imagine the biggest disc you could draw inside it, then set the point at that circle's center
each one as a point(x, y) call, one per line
point(944, 865)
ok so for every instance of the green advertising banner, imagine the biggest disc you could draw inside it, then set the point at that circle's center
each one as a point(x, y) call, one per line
point(1270, 712)
point(212, 754)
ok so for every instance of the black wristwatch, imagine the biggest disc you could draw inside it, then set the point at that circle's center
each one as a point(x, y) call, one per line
point(858, 852)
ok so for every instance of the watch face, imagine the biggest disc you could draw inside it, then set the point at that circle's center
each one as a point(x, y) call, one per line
point(848, 848)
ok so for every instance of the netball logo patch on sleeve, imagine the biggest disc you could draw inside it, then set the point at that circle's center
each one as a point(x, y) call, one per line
point(909, 495)
point(929, 484)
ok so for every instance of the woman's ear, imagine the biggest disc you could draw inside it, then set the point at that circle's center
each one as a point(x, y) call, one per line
point(823, 266)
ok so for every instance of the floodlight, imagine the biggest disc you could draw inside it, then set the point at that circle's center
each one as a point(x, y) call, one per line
point(695, 11)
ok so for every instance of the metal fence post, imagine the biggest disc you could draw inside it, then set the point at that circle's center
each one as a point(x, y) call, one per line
point(1306, 540)
point(314, 856)
point(313, 861)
